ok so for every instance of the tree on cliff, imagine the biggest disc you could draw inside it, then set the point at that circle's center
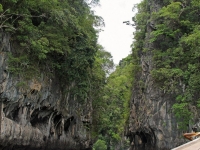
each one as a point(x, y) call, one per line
point(100, 145)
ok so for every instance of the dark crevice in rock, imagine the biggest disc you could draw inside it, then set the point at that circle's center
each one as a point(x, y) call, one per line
point(35, 120)
point(68, 122)
point(143, 139)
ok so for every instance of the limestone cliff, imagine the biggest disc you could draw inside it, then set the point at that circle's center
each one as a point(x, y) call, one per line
point(32, 116)
point(152, 124)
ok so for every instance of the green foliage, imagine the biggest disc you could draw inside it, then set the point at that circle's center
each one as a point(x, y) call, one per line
point(115, 103)
point(140, 20)
point(182, 112)
point(102, 66)
point(1, 8)
point(20, 64)
point(100, 145)
point(171, 12)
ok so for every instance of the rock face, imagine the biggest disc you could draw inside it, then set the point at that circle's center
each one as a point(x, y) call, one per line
point(32, 115)
point(152, 124)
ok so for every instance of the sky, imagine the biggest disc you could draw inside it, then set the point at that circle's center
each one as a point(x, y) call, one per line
point(117, 37)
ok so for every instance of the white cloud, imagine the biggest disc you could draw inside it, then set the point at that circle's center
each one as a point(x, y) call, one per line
point(116, 37)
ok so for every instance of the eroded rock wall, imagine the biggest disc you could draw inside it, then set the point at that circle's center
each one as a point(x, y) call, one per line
point(152, 124)
point(36, 115)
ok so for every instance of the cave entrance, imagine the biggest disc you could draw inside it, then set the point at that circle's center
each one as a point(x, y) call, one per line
point(143, 139)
